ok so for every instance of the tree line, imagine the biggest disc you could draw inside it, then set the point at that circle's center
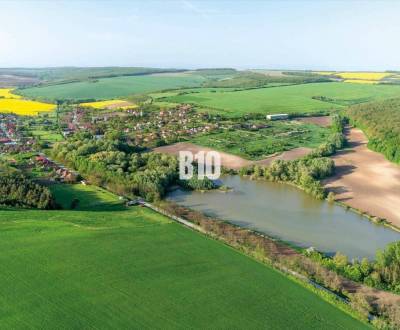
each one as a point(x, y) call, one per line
point(382, 273)
point(18, 191)
point(381, 123)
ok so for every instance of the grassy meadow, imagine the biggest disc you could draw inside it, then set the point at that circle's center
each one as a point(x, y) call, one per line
point(110, 88)
point(90, 197)
point(133, 268)
point(286, 99)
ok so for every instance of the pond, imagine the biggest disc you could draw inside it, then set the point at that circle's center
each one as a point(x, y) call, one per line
point(287, 213)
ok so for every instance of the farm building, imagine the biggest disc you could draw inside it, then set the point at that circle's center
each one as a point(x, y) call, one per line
point(278, 116)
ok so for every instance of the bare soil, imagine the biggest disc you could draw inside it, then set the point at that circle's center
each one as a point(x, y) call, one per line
point(231, 161)
point(365, 180)
point(323, 121)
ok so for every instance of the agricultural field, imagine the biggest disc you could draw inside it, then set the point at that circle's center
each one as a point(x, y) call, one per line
point(359, 77)
point(12, 103)
point(110, 88)
point(7, 93)
point(304, 98)
point(109, 104)
point(135, 268)
point(279, 136)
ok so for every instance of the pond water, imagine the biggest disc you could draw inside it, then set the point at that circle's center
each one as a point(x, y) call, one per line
point(287, 213)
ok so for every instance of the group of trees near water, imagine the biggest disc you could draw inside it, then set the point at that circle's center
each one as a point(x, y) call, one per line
point(381, 123)
point(382, 273)
point(121, 168)
point(305, 172)
point(18, 191)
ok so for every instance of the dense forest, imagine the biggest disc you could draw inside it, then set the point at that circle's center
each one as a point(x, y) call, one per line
point(381, 123)
point(121, 168)
point(17, 190)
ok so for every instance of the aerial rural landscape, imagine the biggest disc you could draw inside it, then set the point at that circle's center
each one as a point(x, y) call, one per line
point(100, 230)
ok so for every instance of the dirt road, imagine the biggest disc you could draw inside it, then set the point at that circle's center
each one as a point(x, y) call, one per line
point(229, 160)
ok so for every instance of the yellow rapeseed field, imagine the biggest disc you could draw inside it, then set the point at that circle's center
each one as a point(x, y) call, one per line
point(10, 102)
point(7, 94)
point(108, 104)
point(358, 77)
point(363, 75)
point(358, 81)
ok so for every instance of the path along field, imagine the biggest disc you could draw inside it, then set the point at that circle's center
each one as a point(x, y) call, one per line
point(287, 99)
point(229, 160)
point(137, 269)
point(366, 180)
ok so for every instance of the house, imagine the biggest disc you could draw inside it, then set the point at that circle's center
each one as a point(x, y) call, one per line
point(278, 116)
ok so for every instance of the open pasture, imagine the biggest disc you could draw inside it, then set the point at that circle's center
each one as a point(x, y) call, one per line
point(136, 269)
point(304, 98)
point(110, 88)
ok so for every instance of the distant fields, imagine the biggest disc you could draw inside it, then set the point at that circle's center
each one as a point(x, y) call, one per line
point(117, 87)
point(109, 104)
point(137, 269)
point(287, 99)
point(359, 77)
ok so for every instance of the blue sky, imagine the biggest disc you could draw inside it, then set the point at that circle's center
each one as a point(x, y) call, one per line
point(341, 35)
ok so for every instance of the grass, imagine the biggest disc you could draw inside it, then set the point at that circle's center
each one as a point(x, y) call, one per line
point(90, 197)
point(49, 136)
point(110, 88)
point(279, 136)
point(134, 268)
point(287, 99)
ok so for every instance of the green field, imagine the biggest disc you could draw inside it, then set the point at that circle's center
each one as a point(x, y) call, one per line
point(90, 197)
point(136, 269)
point(49, 136)
point(279, 136)
point(108, 88)
point(287, 99)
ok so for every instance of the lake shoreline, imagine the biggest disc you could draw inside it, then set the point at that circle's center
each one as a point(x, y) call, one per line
point(289, 214)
